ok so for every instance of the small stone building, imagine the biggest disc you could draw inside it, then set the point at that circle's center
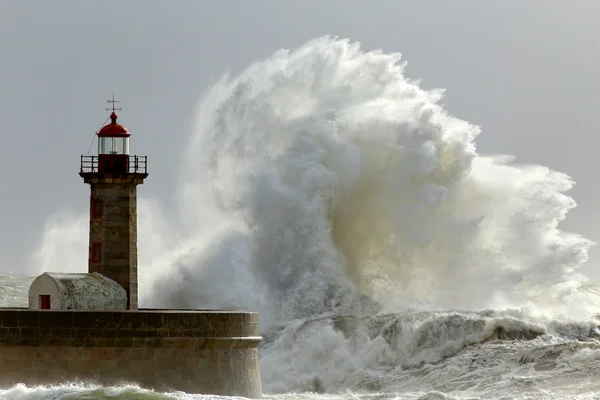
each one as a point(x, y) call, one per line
point(81, 291)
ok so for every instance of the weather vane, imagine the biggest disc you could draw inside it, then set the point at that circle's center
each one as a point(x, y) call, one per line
point(113, 101)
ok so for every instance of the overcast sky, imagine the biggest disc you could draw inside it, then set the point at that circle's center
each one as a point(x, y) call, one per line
point(525, 71)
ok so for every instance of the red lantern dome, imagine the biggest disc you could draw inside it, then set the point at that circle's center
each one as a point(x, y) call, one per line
point(113, 129)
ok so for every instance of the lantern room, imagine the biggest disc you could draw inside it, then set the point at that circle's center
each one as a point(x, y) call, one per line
point(113, 147)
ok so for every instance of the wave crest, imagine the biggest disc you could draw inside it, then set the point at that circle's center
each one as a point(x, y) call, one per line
point(323, 176)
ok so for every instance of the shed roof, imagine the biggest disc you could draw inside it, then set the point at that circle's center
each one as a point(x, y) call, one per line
point(93, 283)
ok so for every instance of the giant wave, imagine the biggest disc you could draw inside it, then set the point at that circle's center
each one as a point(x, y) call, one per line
point(326, 190)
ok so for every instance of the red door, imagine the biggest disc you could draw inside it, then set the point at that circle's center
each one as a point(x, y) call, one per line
point(44, 302)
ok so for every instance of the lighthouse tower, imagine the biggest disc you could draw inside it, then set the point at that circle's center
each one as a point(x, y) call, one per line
point(113, 176)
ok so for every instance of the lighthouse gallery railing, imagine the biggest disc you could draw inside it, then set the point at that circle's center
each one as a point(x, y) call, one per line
point(136, 165)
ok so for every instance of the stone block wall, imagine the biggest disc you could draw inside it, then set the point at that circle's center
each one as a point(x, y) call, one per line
point(113, 230)
point(196, 352)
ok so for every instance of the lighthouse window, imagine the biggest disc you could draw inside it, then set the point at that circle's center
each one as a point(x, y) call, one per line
point(117, 146)
point(96, 252)
point(113, 145)
point(96, 208)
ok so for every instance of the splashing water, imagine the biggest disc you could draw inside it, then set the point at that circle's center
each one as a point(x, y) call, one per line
point(322, 173)
point(324, 181)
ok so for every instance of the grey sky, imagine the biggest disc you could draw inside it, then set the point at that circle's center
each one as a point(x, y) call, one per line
point(526, 71)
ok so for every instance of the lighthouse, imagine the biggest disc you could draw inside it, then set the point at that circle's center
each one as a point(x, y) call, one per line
point(87, 327)
point(113, 175)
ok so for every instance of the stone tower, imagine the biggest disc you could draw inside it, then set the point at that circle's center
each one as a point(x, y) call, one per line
point(113, 176)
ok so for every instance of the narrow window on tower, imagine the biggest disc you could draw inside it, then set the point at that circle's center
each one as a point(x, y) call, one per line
point(96, 255)
point(96, 208)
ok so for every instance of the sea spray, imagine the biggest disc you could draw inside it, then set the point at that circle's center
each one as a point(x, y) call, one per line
point(322, 174)
point(328, 174)
point(322, 181)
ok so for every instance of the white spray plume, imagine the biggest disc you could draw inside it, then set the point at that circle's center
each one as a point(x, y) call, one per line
point(323, 174)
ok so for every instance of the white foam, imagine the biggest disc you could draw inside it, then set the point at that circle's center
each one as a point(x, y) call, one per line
point(326, 165)
point(322, 173)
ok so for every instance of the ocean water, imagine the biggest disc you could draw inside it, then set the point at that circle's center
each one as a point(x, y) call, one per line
point(334, 195)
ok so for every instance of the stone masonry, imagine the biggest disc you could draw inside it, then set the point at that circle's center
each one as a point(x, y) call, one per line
point(208, 352)
point(113, 230)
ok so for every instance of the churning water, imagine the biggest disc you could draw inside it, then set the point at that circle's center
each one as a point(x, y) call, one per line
point(326, 190)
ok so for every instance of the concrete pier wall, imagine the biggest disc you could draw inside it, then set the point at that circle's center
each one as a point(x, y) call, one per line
point(208, 352)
